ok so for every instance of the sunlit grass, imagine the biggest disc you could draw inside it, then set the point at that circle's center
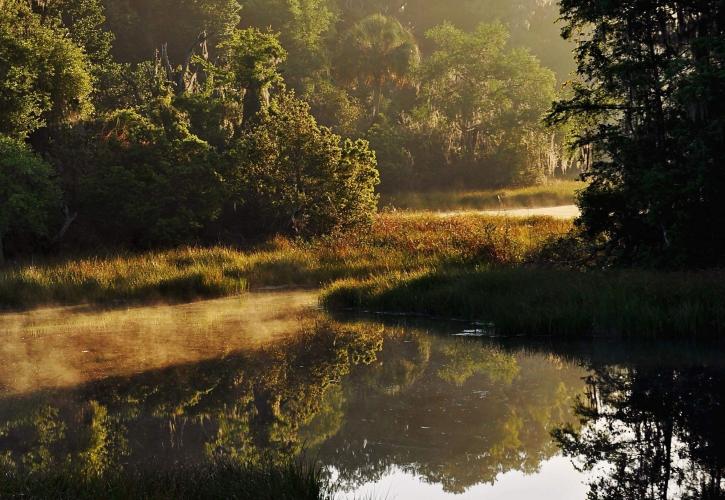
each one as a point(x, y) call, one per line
point(547, 195)
point(394, 243)
point(153, 276)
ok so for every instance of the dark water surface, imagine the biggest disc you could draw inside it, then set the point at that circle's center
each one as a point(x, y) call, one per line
point(392, 408)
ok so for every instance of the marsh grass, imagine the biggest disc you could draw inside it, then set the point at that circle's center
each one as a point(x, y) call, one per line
point(222, 479)
point(547, 195)
point(549, 301)
point(394, 243)
point(155, 276)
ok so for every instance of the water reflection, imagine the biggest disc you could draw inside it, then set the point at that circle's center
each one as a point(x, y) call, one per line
point(400, 409)
point(652, 428)
point(453, 427)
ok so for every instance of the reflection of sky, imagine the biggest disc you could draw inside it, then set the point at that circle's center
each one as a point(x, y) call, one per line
point(556, 480)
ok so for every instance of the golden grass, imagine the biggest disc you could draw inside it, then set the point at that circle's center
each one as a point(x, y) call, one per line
point(394, 243)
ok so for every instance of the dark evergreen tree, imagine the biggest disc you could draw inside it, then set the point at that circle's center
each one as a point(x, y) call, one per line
point(651, 94)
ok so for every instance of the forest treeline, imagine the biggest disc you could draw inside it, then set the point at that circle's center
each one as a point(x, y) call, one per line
point(163, 122)
point(145, 124)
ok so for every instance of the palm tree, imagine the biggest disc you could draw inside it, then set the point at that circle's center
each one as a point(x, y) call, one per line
point(376, 51)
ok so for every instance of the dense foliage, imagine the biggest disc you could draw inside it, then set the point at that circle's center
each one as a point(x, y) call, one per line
point(201, 143)
point(357, 64)
point(301, 178)
point(29, 194)
point(651, 102)
point(44, 75)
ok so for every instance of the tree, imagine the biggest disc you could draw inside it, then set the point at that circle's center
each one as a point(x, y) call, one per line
point(44, 76)
point(296, 177)
point(489, 99)
point(29, 194)
point(253, 57)
point(653, 93)
point(532, 23)
point(304, 26)
point(84, 20)
point(143, 26)
point(375, 52)
point(147, 181)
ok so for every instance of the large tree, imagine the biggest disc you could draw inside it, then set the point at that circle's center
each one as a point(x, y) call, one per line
point(45, 77)
point(253, 57)
point(652, 90)
point(293, 176)
point(304, 27)
point(489, 99)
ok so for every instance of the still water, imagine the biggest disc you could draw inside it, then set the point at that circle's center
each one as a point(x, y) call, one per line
point(392, 408)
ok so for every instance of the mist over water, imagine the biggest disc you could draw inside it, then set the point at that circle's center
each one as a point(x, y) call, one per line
point(69, 346)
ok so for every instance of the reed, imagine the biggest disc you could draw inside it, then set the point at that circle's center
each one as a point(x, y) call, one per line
point(221, 479)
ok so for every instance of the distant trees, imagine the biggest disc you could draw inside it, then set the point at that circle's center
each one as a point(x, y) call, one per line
point(490, 101)
point(206, 146)
point(355, 63)
point(652, 99)
point(179, 98)
point(305, 28)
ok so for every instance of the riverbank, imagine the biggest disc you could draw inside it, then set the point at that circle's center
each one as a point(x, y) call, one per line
point(532, 301)
point(469, 265)
point(395, 243)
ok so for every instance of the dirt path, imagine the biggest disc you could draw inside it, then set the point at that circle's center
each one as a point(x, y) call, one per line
point(560, 212)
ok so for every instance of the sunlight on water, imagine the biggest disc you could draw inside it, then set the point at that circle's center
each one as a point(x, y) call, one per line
point(63, 347)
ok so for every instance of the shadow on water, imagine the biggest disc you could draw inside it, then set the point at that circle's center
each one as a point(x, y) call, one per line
point(379, 402)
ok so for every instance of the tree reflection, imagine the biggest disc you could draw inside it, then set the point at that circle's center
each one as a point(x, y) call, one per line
point(248, 407)
point(360, 396)
point(651, 432)
point(461, 414)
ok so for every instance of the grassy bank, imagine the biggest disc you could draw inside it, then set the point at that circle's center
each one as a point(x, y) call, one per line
point(547, 195)
point(464, 266)
point(393, 244)
point(212, 481)
point(544, 301)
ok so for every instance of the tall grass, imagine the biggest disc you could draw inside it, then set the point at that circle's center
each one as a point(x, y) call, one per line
point(394, 243)
point(546, 195)
point(217, 480)
point(173, 275)
point(550, 301)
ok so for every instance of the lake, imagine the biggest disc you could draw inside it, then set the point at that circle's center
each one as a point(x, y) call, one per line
point(392, 407)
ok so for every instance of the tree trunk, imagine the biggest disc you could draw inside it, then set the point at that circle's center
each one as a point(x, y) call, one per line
point(377, 99)
point(2, 252)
